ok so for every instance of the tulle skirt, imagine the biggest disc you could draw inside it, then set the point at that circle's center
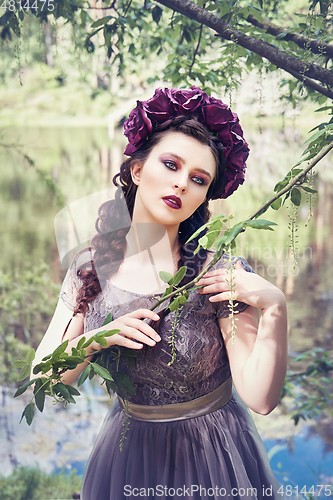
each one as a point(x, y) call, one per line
point(209, 457)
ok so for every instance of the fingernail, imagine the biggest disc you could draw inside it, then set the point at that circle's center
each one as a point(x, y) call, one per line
point(156, 316)
point(157, 337)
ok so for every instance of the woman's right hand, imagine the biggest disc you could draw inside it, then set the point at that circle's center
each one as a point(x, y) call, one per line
point(131, 328)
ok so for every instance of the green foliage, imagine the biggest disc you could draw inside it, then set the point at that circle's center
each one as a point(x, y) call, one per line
point(134, 32)
point(53, 366)
point(27, 483)
point(26, 300)
point(309, 390)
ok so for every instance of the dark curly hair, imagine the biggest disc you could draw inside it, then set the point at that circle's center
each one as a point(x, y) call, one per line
point(114, 216)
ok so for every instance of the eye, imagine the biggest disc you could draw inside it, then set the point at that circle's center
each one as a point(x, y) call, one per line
point(170, 164)
point(199, 180)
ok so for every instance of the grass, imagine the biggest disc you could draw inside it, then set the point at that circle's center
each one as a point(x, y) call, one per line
point(28, 483)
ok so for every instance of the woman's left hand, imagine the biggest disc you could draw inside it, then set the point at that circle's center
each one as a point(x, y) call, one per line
point(247, 287)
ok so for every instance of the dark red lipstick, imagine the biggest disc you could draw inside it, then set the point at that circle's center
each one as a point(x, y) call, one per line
point(173, 201)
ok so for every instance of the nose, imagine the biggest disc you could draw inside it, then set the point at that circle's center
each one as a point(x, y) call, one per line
point(181, 183)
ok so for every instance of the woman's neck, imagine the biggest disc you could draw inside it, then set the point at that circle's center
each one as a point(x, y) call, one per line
point(151, 248)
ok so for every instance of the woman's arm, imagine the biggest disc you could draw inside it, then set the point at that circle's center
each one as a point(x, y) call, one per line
point(258, 357)
point(64, 326)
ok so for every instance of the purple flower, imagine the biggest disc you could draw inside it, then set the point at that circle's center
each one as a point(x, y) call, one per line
point(167, 104)
point(137, 128)
point(159, 107)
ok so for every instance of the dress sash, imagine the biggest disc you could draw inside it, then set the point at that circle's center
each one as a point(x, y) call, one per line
point(181, 411)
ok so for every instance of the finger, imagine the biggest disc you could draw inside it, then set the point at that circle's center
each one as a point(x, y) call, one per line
point(144, 313)
point(215, 288)
point(125, 342)
point(217, 272)
point(144, 328)
point(239, 265)
point(118, 339)
point(131, 332)
point(221, 275)
point(220, 297)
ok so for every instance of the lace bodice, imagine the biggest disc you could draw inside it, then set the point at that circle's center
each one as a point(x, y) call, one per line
point(201, 362)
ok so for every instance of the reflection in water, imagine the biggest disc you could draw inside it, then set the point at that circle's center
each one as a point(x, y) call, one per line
point(82, 162)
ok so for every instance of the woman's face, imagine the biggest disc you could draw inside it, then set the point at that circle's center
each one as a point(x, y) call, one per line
point(173, 181)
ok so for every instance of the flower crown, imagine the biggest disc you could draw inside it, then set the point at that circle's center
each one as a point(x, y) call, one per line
point(213, 113)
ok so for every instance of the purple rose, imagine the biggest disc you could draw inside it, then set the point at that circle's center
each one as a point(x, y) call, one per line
point(137, 128)
point(189, 101)
point(217, 115)
point(234, 179)
point(159, 107)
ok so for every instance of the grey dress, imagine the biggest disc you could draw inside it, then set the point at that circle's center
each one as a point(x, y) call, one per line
point(210, 456)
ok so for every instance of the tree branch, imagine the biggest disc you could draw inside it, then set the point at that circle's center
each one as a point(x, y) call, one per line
point(196, 49)
point(302, 41)
point(312, 84)
point(276, 56)
point(260, 210)
point(293, 181)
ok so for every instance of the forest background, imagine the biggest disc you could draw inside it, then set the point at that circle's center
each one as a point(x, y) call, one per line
point(69, 74)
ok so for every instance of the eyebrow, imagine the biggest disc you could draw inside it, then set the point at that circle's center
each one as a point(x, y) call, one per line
point(198, 169)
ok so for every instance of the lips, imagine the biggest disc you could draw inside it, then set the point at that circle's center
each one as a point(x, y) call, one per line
point(173, 201)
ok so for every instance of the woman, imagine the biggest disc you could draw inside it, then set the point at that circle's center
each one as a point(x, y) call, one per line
point(189, 436)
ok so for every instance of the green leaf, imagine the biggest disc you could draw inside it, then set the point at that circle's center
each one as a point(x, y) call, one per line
point(296, 196)
point(198, 231)
point(108, 319)
point(73, 391)
point(203, 241)
point(229, 235)
point(87, 344)
point(276, 204)
point(102, 372)
point(309, 190)
point(280, 185)
point(124, 382)
point(31, 356)
point(7, 15)
point(59, 350)
point(174, 304)
point(91, 372)
point(42, 367)
point(260, 224)
point(100, 22)
point(24, 387)
point(166, 277)
point(179, 275)
point(19, 364)
point(130, 361)
point(61, 389)
point(39, 393)
point(325, 108)
point(80, 343)
point(28, 413)
point(167, 291)
point(101, 341)
point(212, 233)
point(182, 299)
point(108, 333)
point(46, 358)
point(157, 13)
point(24, 373)
point(84, 375)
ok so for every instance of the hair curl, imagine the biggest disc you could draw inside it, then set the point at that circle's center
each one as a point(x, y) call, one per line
point(109, 244)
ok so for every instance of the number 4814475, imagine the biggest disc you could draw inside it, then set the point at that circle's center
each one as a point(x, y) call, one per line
point(37, 5)
point(315, 491)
